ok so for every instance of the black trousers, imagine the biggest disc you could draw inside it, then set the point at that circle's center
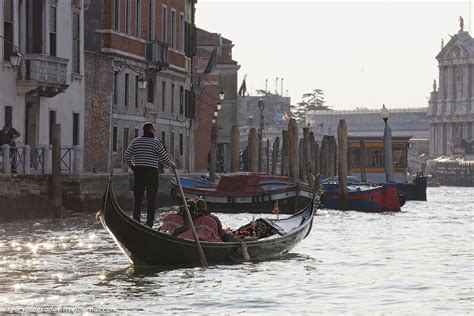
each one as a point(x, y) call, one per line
point(146, 178)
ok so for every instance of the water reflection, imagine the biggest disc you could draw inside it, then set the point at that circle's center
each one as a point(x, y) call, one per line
point(375, 263)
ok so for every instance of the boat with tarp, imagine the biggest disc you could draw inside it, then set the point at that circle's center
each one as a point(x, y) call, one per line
point(251, 192)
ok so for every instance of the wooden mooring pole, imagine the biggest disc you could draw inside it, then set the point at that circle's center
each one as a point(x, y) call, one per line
point(276, 148)
point(285, 168)
point(342, 163)
point(56, 185)
point(293, 150)
point(253, 150)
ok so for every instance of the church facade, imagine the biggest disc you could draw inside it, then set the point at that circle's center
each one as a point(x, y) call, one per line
point(451, 105)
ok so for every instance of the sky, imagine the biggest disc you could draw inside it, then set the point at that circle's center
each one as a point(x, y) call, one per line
point(360, 53)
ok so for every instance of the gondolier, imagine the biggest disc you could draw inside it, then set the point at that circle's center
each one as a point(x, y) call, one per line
point(143, 156)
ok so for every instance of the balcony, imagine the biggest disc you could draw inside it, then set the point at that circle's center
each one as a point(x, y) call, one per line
point(157, 54)
point(43, 75)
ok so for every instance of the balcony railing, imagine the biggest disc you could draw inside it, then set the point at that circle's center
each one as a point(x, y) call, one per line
point(46, 74)
point(157, 52)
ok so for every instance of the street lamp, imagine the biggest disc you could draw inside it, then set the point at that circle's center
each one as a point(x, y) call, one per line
point(216, 112)
point(221, 95)
point(213, 120)
point(261, 106)
point(387, 145)
point(219, 106)
point(15, 57)
point(384, 113)
point(141, 82)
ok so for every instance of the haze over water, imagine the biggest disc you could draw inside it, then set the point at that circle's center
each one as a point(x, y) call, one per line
point(418, 261)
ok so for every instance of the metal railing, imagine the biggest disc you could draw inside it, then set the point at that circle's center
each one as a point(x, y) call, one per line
point(26, 159)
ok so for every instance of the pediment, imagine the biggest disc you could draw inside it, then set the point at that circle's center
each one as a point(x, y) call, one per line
point(461, 45)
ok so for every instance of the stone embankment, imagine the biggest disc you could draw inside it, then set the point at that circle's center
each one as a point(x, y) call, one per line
point(29, 196)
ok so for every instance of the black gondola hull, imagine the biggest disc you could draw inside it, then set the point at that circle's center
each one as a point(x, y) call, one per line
point(146, 246)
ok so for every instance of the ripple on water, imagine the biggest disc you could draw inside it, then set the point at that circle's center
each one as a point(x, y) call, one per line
point(420, 260)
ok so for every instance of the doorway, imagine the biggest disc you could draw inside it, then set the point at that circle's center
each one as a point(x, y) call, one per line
point(32, 123)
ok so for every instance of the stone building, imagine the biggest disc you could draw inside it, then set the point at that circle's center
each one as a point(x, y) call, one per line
point(451, 105)
point(248, 113)
point(221, 76)
point(47, 86)
point(142, 49)
point(409, 122)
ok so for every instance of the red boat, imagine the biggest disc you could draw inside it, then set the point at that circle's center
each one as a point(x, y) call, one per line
point(362, 197)
point(250, 192)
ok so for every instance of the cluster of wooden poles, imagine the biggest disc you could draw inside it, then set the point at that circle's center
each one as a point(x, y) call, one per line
point(300, 159)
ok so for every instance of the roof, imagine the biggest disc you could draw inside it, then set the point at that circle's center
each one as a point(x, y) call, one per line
point(460, 45)
point(205, 38)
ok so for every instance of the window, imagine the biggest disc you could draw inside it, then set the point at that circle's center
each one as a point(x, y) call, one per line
point(181, 144)
point(181, 32)
point(150, 91)
point(172, 98)
point(163, 138)
point(151, 20)
point(164, 24)
point(52, 121)
point(117, 15)
point(138, 20)
point(136, 91)
point(52, 28)
point(171, 150)
point(8, 115)
point(136, 132)
point(163, 95)
point(7, 29)
point(75, 129)
point(173, 28)
point(126, 89)
point(76, 43)
point(115, 87)
point(127, 16)
point(114, 139)
point(181, 100)
point(125, 139)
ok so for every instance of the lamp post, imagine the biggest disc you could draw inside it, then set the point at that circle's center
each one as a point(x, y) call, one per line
point(15, 57)
point(187, 126)
point(261, 106)
point(212, 151)
point(214, 131)
point(387, 144)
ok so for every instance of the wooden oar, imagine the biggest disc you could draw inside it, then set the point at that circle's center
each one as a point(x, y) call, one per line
point(190, 221)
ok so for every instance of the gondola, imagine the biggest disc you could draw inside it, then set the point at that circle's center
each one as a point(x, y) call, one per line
point(146, 246)
point(247, 192)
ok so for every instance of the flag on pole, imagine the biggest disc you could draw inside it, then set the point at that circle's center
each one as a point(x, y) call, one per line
point(212, 61)
point(276, 209)
point(243, 88)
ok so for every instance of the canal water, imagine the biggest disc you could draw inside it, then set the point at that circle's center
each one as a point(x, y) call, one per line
point(418, 261)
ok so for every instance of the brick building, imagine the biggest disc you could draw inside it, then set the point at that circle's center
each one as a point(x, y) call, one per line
point(222, 77)
point(139, 53)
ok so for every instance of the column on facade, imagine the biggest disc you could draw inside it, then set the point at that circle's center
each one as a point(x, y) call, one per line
point(441, 140)
point(441, 89)
point(432, 139)
point(465, 130)
point(449, 82)
point(466, 86)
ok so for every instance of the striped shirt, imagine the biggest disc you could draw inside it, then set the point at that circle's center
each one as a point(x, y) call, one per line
point(146, 152)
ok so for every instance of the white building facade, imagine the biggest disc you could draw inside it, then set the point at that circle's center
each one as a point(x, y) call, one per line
point(47, 87)
point(451, 106)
